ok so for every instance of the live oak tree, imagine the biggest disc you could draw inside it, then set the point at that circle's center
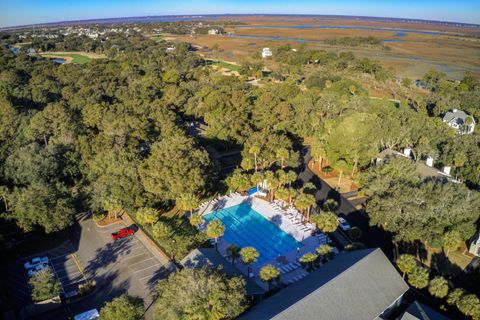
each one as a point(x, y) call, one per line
point(425, 211)
point(124, 307)
point(41, 204)
point(146, 215)
point(200, 294)
point(175, 166)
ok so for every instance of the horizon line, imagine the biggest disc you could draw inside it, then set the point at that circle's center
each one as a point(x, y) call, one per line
point(92, 20)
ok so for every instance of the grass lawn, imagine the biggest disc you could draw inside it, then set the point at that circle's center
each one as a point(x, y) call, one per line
point(226, 65)
point(76, 58)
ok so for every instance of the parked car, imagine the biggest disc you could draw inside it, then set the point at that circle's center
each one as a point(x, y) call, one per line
point(31, 272)
point(35, 262)
point(343, 224)
point(122, 233)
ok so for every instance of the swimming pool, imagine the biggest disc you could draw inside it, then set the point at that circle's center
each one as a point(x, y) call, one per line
point(247, 228)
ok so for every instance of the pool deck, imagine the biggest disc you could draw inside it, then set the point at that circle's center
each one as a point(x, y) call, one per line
point(280, 218)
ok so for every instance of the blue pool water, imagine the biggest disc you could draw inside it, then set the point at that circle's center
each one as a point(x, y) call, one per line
point(247, 228)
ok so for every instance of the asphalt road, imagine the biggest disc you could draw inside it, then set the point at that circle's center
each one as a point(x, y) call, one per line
point(372, 236)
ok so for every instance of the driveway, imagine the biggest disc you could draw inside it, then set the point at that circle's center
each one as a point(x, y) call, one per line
point(372, 236)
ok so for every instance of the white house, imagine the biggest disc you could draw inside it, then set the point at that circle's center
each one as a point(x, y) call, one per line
point(213, 31)
point(475, 245)
point(266, 53)
point(460, 121)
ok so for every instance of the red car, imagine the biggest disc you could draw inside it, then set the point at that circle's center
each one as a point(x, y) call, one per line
point(122, 233)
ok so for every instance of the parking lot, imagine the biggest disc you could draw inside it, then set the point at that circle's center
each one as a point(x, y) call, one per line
point(118, 266)
point(67, 268)
point(63, 263)
point(131, 253)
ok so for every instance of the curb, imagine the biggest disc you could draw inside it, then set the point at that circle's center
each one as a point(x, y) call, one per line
point(108, 225)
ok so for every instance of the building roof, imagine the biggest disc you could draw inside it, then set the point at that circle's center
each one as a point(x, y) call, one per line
point(357, 285)
point(201, 257)
point(457, 115)
point(419, 311)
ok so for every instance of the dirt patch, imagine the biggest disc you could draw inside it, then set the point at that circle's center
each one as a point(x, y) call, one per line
point(332, 178)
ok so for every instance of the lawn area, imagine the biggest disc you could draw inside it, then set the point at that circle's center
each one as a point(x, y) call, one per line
point(74, 58)
point(226, 65)
point(451, 265)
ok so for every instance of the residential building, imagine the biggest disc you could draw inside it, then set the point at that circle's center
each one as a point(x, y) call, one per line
point(460, 121)
point(266, 53)
point(475, 245)
point(213, 31)
point(361, 285)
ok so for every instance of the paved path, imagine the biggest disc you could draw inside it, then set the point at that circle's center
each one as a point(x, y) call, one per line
point(371, 236)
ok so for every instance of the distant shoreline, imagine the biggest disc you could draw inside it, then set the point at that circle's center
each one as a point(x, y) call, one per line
point(203, 17)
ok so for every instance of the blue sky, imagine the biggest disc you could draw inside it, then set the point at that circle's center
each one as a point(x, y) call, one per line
point(19, 12)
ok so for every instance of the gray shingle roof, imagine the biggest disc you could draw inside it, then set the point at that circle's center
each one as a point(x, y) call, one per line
point(457, 114)
point(356, 285)
point(419, 311)
point(201, 257)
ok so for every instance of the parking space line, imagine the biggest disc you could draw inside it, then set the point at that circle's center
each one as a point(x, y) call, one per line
point(155, 265)
point(71, 275)
point(65, 255)
point(151, 276)
point(136, 255)
point(140, 261)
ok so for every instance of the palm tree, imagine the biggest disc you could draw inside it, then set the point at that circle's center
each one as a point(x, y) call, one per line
point(233, 252)
point(283, 154)
point(255, 150)
point(406, 263)
point(418, 278)
point(196, 220)
point(249, 256)
point(187, 202)
point(438, 287)
point(324, 251)
point(330, 205)
point(283, 194)
point(469, 305)
point(215, 230)
point(325, 221)
point(269, 273)
point(452, 240)
point(305, 201)
point(257, 178)
point(318, 151)
point(341, 166)
point(307, 260)
point(455, 295)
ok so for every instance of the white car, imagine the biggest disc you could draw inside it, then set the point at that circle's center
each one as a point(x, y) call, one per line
point(36, 262)
point(31, 272)
point(343, 224)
